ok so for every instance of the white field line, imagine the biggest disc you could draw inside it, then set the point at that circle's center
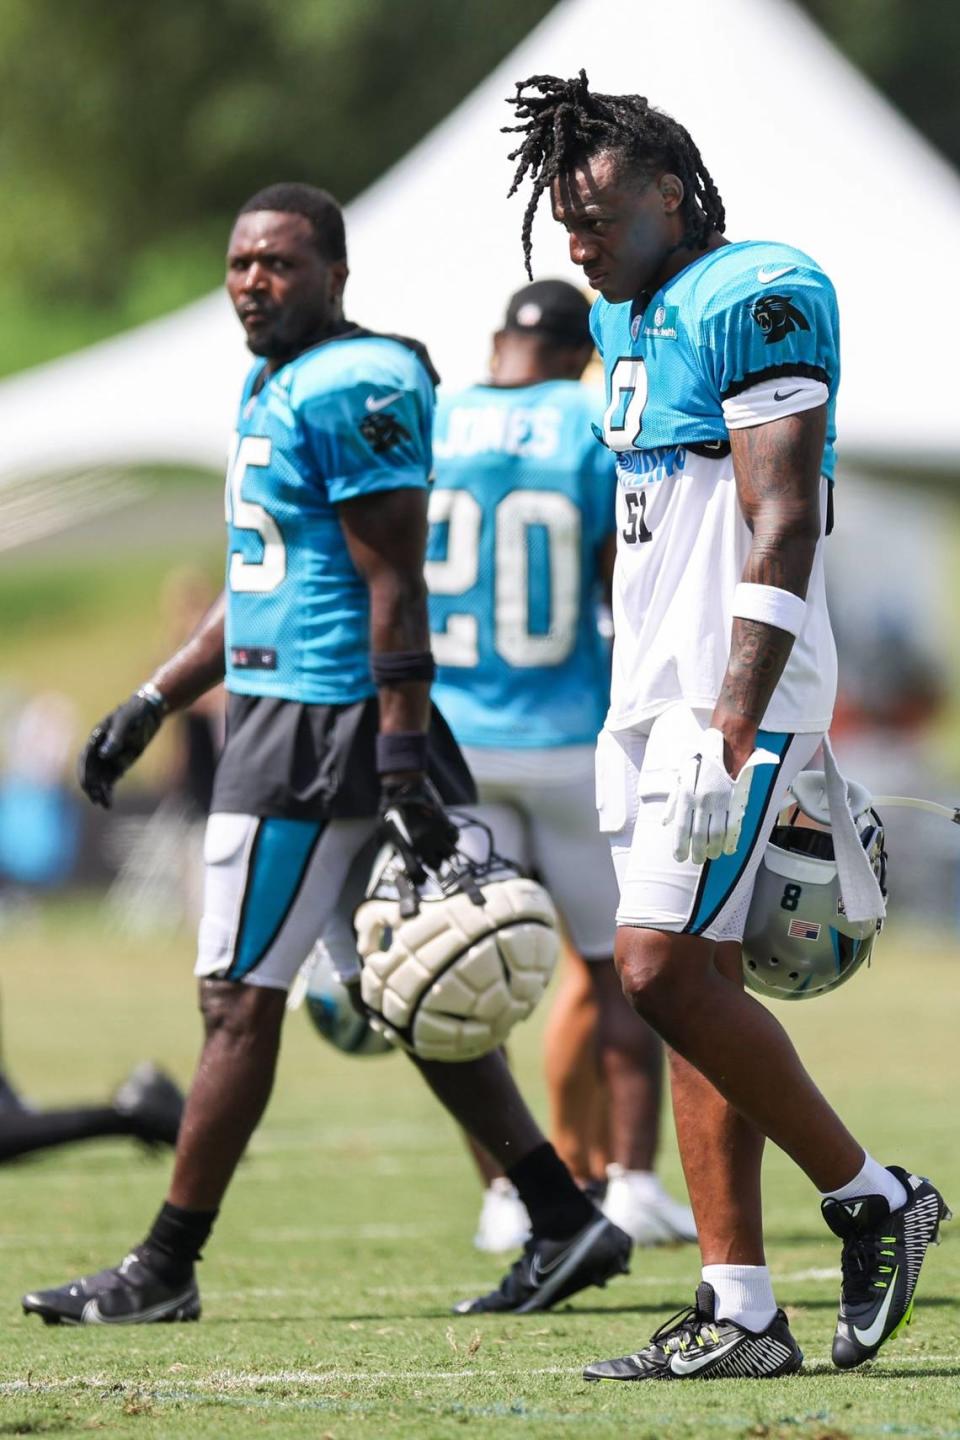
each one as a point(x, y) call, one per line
point(243, 1380)
point(463, 1287)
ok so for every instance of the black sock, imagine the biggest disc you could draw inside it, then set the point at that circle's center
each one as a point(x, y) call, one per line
point(176, 1238)
point(556, 1206)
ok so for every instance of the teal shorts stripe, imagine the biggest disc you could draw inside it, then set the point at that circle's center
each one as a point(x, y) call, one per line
point(280, 855)
point(719, 878)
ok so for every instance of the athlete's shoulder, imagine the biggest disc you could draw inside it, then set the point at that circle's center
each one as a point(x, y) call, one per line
point(748, 269)
point(356, 362)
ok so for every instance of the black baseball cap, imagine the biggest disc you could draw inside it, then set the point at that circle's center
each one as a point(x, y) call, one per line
point(551, 308)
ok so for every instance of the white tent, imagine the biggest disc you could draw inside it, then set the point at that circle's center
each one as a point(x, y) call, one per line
point(802, 149)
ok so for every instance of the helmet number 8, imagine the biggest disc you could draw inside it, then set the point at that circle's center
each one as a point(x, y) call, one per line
point(791, 897)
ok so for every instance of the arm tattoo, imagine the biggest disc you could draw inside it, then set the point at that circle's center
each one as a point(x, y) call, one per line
point(777, 469)
point(758, 653)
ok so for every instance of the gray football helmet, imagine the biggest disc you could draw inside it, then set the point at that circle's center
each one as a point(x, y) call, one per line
point(797, 940)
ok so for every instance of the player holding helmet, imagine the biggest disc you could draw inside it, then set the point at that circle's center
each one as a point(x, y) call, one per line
point(518, 559)
point(722, 372)
point(323, 635)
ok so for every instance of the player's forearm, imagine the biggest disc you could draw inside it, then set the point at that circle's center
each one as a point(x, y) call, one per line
point(758, 654)
point(777, 468)
point(759, 651)
point(399, 627)
point(198, 665)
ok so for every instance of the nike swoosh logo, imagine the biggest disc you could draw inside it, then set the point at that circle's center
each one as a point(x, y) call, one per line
point(786, 394)
point(874, 1333)
point(681, 1364)
point(540, 1272)
point(373, 404)
point(765, 276)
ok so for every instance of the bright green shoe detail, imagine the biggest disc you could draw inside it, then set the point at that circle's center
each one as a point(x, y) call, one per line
point(907, 1317)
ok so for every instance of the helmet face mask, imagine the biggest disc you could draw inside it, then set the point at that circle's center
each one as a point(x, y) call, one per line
point(798, 942)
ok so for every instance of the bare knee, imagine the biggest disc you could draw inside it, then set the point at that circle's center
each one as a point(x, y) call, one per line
point(619, 1025)
point(642, 966)
point(241, 1014)
point(662, 974)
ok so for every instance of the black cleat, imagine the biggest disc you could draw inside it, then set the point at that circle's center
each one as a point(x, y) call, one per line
point(693, 1345)
point(883, 1250)
point(131, 1294)
point(152, 1102)
point(551, 1270)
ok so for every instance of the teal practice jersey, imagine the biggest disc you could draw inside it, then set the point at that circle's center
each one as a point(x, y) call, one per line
point(743, 316)
point(348, 417)
point(522, 504)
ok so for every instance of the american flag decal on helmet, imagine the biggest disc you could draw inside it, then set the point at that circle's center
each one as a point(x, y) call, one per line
point(803, 930)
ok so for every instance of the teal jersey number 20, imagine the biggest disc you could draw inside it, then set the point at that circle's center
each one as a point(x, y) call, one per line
point(522, 503)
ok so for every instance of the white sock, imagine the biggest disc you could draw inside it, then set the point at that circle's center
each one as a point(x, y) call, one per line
point(873, 1179)
point(744, 1294)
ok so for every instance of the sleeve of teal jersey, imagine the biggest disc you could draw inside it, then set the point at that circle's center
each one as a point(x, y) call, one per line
point(757, 329)
point(372, 432)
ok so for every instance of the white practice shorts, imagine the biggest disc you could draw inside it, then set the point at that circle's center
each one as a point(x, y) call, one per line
point(271, 886)
point(657, 892)
point(539, 804)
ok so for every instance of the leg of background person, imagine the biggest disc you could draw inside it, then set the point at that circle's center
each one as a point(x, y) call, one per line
point(630, 1058)
point(674, 983)
point(230, 1090)
point(483, 1098)
point(22, 1132)
point(722, 1154)
point(576, 1098)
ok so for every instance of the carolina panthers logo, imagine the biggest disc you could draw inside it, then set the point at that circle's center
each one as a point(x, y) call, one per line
point(777, 317)
point(382, 432)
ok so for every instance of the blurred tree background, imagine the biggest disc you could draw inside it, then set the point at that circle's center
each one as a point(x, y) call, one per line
point(130, 131)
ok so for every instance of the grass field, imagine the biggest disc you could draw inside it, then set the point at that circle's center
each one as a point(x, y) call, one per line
point(347, 1235)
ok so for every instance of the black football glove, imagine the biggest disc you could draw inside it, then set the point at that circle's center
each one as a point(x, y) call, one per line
point(114, 744)
point(413, 819)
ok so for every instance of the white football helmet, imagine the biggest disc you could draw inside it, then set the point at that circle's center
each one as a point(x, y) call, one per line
point(449, 966)
point(797, 940)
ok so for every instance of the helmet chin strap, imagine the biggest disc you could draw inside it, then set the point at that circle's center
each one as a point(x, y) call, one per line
point(829, 799)
point(930, 807)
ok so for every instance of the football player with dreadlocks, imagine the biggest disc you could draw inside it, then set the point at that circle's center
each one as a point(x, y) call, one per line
point(721, 372)
point(520, 550)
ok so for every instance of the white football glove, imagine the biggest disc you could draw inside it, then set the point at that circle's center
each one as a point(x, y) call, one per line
point(705, 805)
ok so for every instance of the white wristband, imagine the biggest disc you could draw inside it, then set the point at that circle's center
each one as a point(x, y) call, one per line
point(770, 606)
